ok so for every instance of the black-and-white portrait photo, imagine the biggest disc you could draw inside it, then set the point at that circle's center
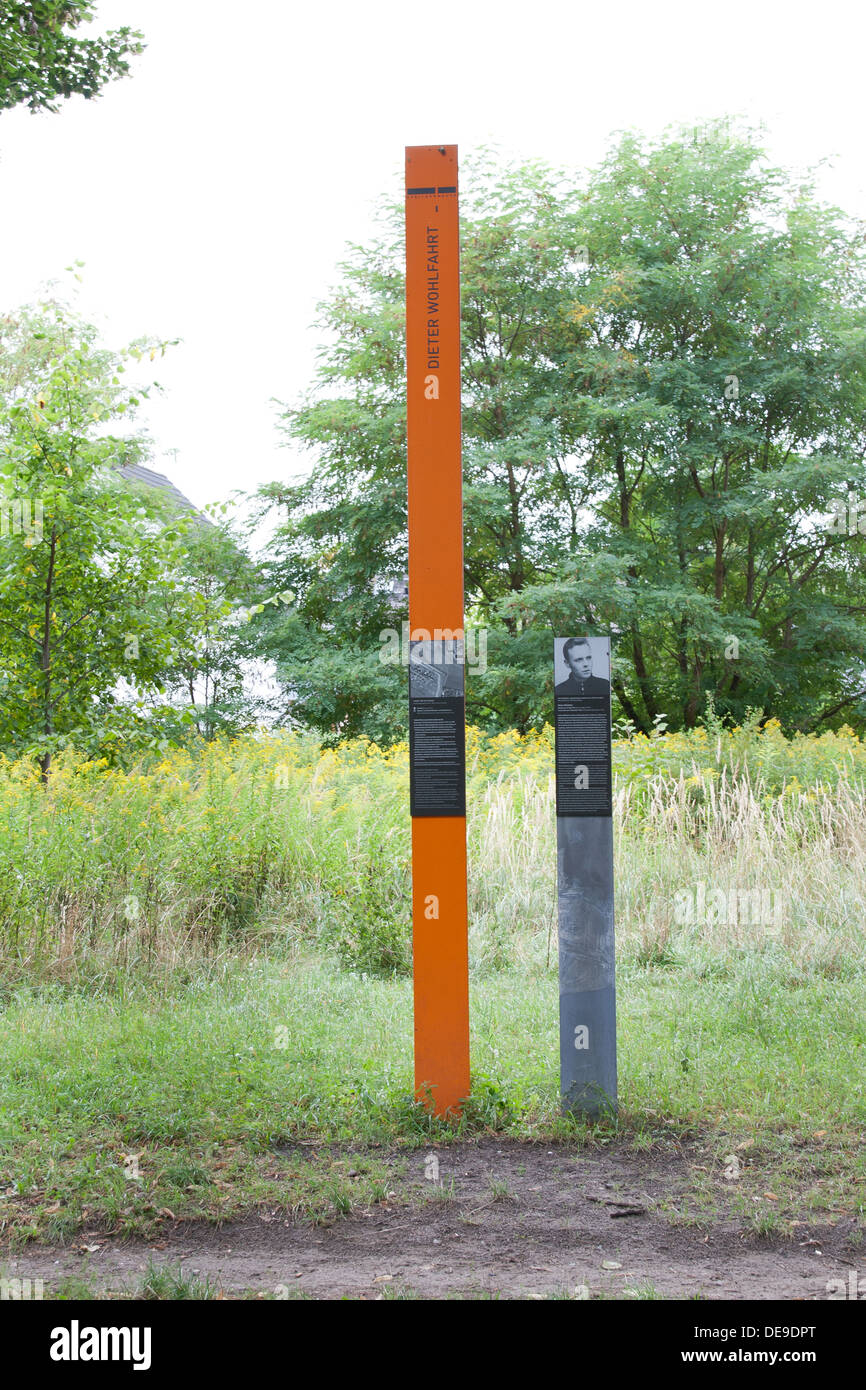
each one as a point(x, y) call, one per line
point(582, 666)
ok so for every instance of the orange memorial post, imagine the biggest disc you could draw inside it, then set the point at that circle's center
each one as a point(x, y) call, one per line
point(436, 659)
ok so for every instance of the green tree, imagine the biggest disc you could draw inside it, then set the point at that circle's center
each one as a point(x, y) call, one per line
point(82, 552)
point(41, 59)
point(215, 677)
point(716, 382)
point(341, 540)
point(664, 393)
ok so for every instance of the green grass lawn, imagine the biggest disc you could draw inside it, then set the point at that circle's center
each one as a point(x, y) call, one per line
point(204, 998)
point(124, 1111)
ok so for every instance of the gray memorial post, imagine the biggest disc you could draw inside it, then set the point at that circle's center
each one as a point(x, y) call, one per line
point(584, 836)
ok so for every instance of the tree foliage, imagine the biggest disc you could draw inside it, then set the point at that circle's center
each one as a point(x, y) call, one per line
point(215, 677)
point(89, 562)
point(42, 60)
point(664, 368)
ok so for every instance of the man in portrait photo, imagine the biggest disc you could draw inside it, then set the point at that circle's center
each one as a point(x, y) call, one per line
point(577, 655)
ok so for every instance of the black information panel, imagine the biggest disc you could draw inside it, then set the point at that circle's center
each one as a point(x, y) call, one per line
point(437, 743)
point(582, 719)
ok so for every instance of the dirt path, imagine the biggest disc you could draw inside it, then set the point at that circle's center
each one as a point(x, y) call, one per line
point(521, 1220)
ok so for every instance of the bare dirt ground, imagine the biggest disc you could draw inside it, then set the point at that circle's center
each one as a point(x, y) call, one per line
point(512, 1219)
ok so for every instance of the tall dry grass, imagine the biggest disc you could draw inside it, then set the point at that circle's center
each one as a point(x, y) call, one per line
point(270, 844)
point(704, 865)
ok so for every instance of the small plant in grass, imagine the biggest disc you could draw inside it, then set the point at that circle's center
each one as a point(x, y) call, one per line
point(369, 923)
point(417, 1120)
point(655, 950)
point(487, 1106)
point(167, 1282)
point(323, 1197)
point(340, 1197)
point(577, 1128)
point(182, 1172)
point(442, 1191)
point(73, 1287)
point(766, 1224)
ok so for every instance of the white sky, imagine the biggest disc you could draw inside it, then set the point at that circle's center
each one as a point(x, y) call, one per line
point(212, 193)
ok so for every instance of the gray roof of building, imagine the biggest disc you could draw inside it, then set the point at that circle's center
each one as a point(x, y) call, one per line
point(136, 473)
